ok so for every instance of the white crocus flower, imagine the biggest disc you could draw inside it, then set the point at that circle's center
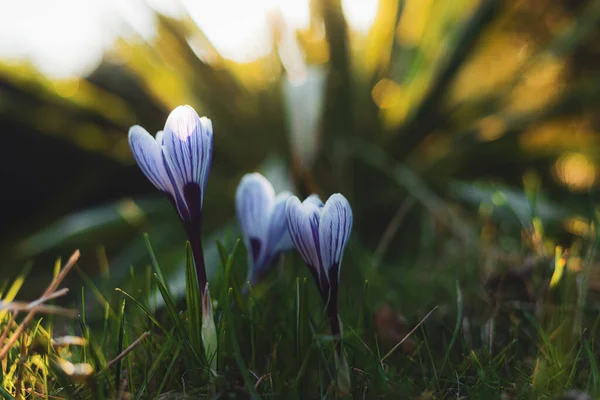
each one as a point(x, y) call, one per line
point(261, 215)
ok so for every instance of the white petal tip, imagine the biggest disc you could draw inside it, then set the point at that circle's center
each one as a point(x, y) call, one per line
point(137, 130)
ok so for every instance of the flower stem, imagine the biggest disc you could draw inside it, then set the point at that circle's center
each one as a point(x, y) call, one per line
point(198, 253)
point(334, 321)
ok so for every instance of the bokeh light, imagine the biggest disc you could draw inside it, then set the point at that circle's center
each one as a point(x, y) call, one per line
point(576, 171)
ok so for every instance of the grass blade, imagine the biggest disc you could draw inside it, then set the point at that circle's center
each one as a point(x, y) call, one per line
point(237, 352)
point(5, 394)
point(15, 287)
point(193, 301)
point(223, 254)
point(120, 346)
point(459, 310)
point(153, 259)
point(150, 316)
point(169, 369)
point(175, 318)
point(594, 379)
point(166, 348)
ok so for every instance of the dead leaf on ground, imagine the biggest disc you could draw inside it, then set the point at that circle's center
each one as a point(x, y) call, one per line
point(392, 327)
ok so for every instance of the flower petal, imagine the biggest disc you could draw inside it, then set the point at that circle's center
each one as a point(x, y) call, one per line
point(314, 199)
point(187, 154)
point(177, 184)
point(278, 233)
point(253, 200)
point(159, 137)
point(188, 141)
point(208, 143)
point(303, 225)
point(334, 230)
point(148, 156)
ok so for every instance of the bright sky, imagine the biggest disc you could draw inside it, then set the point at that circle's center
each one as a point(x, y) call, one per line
point(66, 37)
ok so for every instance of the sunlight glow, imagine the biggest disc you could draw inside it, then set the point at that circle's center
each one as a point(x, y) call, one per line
point(360, 14)
point(67, 38)
point(54, 35)
point(239, 30)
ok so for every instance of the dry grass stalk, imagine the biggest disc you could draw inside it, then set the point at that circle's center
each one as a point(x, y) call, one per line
point(50, 293)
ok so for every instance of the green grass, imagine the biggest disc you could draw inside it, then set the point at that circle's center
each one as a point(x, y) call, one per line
point(274, 343)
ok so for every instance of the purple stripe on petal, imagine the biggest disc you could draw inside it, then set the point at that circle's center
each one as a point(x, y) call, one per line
point(255, 249)
point(303, 223)
point(334, 230)
point(293, 214)
point(187, 139)
point(177, 184)
point(253, 199)
point(206, 147)
point(147, 154)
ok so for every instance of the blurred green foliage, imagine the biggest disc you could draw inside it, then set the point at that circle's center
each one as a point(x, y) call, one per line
point(442, 102)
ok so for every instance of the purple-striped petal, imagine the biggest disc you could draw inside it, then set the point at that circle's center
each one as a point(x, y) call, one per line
point(187, 142)
point(279, 236)
point(187, 153)
point(303, 225)
point(262, 218)
point(253, 199)
point(208, 144)
point(334, 230)
point(147, 153)
point(177, 184)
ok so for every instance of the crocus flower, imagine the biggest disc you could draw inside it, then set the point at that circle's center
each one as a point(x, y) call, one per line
point(320, 233)
point(177, 161)
point(262, 220)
